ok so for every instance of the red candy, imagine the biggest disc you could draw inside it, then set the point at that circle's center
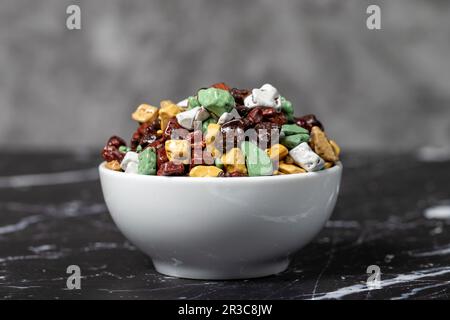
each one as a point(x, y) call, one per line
point(239, 95)
point(254, 116)
point(267, 131)
point(171, 169)
point(144, 135)
point(272, 115)
point(173, 125)
point(221, 85)
point(235, 174)
point(308, 121)
point(111, 150)
point(161, 156)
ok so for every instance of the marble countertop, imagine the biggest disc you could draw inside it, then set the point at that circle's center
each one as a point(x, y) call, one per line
point(52, 215)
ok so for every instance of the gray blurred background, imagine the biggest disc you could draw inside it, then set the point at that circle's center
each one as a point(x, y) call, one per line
point(62, 89)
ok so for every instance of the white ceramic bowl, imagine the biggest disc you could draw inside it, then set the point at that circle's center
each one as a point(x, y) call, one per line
point(220, 228)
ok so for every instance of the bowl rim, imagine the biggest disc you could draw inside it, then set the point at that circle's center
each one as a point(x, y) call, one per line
point(285, 177)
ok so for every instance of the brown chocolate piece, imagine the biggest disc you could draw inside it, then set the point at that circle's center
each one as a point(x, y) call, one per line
point(171, 169)
point(111, 150)
point(308, 121)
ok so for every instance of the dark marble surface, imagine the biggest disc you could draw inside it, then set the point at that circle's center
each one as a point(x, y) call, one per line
point(52, 215)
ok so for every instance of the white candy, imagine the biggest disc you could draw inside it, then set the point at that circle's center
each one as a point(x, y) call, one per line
point(183, 103)
point(132, 167)
point(130, 157)
point(202, 114)
point(266, 96)
point(306, 158)
point(228, 116)
point(186, 118)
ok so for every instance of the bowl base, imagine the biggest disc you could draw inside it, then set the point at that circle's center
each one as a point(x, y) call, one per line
point(262, 269)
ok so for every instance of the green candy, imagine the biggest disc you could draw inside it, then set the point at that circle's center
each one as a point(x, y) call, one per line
point(290, 129)
point(192, 103)
point(257, 161)
point(124, 149)
point(287, 108)
point(139, 148)
point(206, 123)
point(216, 101)
point(147, 162)
point(294, 140)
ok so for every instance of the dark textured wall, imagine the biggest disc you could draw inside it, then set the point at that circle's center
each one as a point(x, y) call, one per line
point(372, 89)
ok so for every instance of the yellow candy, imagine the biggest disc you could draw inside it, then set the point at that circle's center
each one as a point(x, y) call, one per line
point(205, 171)
point(145, 113)
point(277, 152)
point(234, 160)
point(336, 148)
point(178, 150)
point(328, 165)
point(322, 146)
point(289, 160)
point(168, 110)
point(289, 168)
point(211, 133)
point(113, 165)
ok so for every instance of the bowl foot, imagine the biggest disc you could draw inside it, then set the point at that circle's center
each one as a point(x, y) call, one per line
point(262, 269)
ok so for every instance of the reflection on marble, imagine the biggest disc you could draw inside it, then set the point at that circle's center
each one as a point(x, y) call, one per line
point(438, 212)
point(379, 220)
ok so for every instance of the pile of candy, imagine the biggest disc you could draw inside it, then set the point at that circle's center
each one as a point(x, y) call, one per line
point(223, 132)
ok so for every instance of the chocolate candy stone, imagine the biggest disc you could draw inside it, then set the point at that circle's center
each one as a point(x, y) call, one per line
point(171, 169)
point(258, 162)
point(308, 121)
point(239, 95)
point(193, 103)
point(290, 129)
point(221, 85)
point(306, 158)
point(206, 123)
point(255, 116)
point(216, 101)
point(162, 156)
point(294, 140)
point(147, 162)
point(286, 107)
point(235, 174)
point(111, 150)
point(131, 158)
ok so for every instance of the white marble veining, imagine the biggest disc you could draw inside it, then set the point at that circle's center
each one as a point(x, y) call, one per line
point(438, 251)
point(52, 251)
point(415, 291)
point(21, 224)
point(42, 248)
point(397, 280)
point(107, 246)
